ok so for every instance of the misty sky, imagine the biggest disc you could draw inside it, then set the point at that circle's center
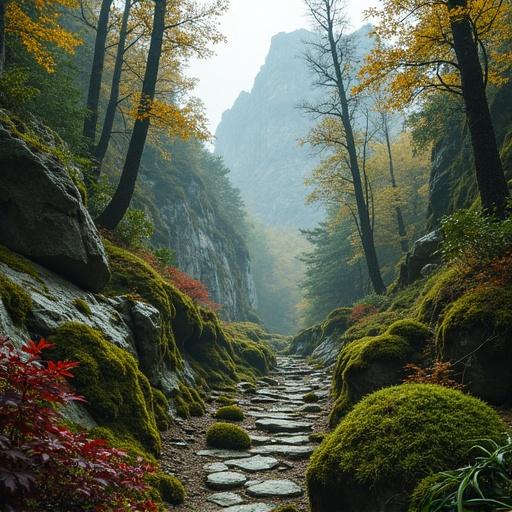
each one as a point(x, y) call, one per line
point(249, 26)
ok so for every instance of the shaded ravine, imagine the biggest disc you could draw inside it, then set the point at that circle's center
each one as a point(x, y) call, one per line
point(273, 471)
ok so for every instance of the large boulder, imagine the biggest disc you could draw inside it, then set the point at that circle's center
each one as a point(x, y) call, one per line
point(42, 215)
point(423, 255)
point(375, 362)
point(393, 439)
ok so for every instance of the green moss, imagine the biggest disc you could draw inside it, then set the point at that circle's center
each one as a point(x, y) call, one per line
point(18, 262)
point(482, 309)
point(224, 400)
point(16, 300)
point(425, 485)
point(230, 412)
point(310, 398)
point(161, 410)
point(119, 395)
point(188, 401)
point(336, 321)
point(372, 362)
point(82, 306)
point(391, 440)
point(317, 437)
point(371, 325)
point(171, 490)
point(229, 436)
point(286, 508)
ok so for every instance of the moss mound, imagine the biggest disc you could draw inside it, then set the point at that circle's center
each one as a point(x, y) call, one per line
point(119, 395)
point(170, 489)
point(230, 412)
point(16, 300)
point(310, 398)
point(375, 362)
point(188, 401)
point(224, 400)
point(229, 436)
point(390, 441)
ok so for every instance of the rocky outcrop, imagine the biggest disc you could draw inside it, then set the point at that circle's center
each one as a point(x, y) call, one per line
point(188, 221)
point(42, 215)
point(259, 136)
point(422, 259)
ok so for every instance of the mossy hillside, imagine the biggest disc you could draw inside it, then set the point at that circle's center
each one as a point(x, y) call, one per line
point(118, 394)
point(228, 436)
point(373, 362)
point(16, 300)
point(230, 413)
point(391, 440)
point(371, 325)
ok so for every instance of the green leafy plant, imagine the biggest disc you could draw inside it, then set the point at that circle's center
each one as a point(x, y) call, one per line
point(484, 485)
point(135, 228)
point(475, 239)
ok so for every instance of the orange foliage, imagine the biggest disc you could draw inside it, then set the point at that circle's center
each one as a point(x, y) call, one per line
point(440, 373)
point(361, 311)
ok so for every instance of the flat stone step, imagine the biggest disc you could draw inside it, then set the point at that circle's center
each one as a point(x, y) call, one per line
point(251, 507)
point(225, 480)
point(223, 454)
point(285, 450)
point(254, 464)
point(275, 489)
point(215, 467)
point(274, 425)
point(225, 499)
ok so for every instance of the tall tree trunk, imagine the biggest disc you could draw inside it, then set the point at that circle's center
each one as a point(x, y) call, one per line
point(492, 184)
point(120, 202)
point(110, 114)
point(98, 61)
point(3, 4)
point(402, 232)
point(367, 239)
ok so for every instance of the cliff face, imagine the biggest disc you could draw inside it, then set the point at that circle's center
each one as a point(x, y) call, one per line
point(452, 180)
point(259, 136)
point(189, 220)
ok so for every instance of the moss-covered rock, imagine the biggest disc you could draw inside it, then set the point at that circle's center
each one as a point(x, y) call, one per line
point(230, 413)
point(188, 402)
point(16, 300)
point(374, 362)
point(475, 332)
point(118, 394)
point(310, 398)
point(18, 262)
point(390, 441)
point(82, 306)
point(170, 489)
point(229, 436)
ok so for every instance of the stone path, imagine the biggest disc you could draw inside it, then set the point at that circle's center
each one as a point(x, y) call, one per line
point(272, 472)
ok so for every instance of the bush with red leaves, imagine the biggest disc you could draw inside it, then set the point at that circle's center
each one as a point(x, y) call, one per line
point(43, 465)
point(195, 289)
point(361, 311)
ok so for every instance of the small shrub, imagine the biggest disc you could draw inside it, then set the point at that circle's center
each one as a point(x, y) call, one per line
point(440, 373)
point(310, 398)
point(135, 228)
point(361, 311)
point(230, 412)
point(43, 465)
point(229, 436)
point(171, 490)
point(475, 239)
point(82, 306)
point(484, 485)
point(166, 257)
point(224, 400)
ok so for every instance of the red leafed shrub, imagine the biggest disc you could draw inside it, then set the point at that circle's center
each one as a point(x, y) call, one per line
point(43, 465)
point(361, 311)
point(195, 289)
point(440, 373)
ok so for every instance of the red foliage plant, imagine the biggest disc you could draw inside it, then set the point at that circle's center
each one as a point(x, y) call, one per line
point(44, 465)
point(361, 311)
point(195, 289)
point(440, 373)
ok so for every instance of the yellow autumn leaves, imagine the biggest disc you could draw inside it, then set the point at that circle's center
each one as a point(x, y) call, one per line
point(36, 24)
